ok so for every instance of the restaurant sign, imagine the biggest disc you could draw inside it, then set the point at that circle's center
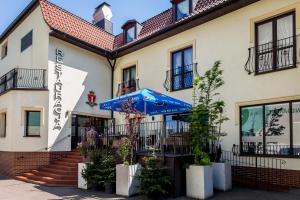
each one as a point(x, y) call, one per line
point(57, 108)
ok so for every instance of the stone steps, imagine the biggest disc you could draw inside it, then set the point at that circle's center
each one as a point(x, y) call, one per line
point(63, 172)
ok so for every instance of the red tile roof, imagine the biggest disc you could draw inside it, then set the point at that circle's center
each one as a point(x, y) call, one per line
point(66, 22)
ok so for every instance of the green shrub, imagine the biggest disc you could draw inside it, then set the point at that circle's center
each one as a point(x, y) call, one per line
point(154, 180)
point(100, 171)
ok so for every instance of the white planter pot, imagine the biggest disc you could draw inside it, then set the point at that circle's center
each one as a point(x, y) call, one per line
point(82, 184)
point(199, 182)
point(126, 183)
point(222, 176)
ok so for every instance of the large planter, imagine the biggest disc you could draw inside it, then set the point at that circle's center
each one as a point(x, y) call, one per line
point(82, 183)
point(222, 176)
point(199, 182)
point(126, 182)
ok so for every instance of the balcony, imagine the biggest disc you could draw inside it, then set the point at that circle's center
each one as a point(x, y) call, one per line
point(127, 87)
point(26, 79)
point(181, 77)
point(274, 56)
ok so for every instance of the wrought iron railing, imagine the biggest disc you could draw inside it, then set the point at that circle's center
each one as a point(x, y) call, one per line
point(270, 150)
point(181, 77)
point(163, 137)
point(255, 171)
point(127, 87)
point(20, 78)
point(274, 56)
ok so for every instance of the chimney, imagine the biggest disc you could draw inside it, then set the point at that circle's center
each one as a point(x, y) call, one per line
point(102, 17)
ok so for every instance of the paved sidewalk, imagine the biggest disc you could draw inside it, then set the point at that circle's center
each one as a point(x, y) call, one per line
point(15, 190)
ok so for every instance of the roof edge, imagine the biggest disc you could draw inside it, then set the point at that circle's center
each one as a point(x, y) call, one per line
point(26, 11)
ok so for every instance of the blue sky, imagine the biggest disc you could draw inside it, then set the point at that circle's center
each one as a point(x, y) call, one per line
point(122, 10)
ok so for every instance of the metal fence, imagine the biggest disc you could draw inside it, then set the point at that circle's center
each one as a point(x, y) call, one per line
point(20, 78)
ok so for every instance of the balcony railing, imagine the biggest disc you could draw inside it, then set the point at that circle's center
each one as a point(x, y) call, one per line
point(23, 79)
point(274, 56)
point(181, 77)
point(127, 87)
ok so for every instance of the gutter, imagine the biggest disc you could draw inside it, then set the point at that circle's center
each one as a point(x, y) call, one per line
point(112, 65)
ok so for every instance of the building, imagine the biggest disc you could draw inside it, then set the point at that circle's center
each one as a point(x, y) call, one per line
point(60, 62)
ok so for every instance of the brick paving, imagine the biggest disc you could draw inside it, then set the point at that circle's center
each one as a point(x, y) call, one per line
point(11, 189)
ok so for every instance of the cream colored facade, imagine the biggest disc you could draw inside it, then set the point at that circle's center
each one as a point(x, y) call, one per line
point(226, 38)
point(83, 71)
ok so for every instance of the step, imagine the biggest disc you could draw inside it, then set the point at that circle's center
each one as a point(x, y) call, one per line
point(62, 162)
point(23, 178)
point(78, 157)
point(71, 160)
point(58, 171)
point(56, 176)
point(48, 178)
point(63, 167)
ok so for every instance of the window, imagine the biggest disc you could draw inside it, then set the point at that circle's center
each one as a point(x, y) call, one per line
point(275, 43)
point(2, 125)
point(130, 34)
point(33, 123)
point(182, 9)
point(4, 50)
point(177, 123)
point(271, 129)
point(26, 41)
point(129, 80)
point(182, 69)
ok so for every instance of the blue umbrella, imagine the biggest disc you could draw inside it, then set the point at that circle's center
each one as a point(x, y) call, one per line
point(146, 101)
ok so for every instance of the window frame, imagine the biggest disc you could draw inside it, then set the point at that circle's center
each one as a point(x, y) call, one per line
point(130, 80)
point(24, 39)
point(126, 32)
point(5, 124)
point(182, 73)
point(175, 9)
point(4, 50)
point(27, 121)
point(291, 143)
point(274, 43)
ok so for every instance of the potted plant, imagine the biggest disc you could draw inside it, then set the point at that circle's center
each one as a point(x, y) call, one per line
point(154, 179)
point(205, 117)
point(126, 181)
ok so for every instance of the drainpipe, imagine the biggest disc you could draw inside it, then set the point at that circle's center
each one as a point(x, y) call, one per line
point(112, 64)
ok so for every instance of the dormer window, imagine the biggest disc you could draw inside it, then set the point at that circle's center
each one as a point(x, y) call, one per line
point(182, 8)
point(130, 34)
point(131, 30)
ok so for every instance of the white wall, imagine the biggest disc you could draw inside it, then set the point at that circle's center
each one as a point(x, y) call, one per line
point(227, 39)
point(14, 102)
point(82, 71)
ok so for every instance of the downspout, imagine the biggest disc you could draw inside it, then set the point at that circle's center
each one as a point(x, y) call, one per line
point(112, 64)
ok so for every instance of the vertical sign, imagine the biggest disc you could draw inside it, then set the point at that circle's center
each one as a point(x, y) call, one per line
point(57, 108)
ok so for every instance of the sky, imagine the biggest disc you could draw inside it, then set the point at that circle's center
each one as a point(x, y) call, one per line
point(123, 10)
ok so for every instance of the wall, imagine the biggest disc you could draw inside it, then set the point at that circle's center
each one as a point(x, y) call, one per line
point(14, 103)
point(82, 71)
point(227, 39)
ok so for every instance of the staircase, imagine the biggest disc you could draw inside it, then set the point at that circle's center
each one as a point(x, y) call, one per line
point(63, 172)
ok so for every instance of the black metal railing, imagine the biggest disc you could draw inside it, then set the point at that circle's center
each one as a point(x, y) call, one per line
point(20, 78)
point(127, 87)
point(181, 77)
point(274, 56)
point(270, 150)
point(255, 171)
point(163, 137)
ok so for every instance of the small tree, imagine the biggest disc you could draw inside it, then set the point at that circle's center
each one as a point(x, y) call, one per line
point(207, 113)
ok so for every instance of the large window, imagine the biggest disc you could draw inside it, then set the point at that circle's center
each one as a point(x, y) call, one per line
point(275, 43)
point(130, 34)
point(271, 129)
point(177, 123)
point(26, 41)
point(129, 80)
point(2, 125)
point(182, 69)
point(33, 123)
point(182, 9)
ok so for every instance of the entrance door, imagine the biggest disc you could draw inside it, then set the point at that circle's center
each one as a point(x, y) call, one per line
point(81, 123)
